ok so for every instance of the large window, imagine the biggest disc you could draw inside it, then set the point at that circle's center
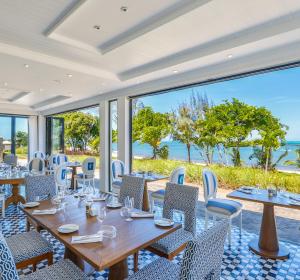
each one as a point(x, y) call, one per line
point(246, 129)
point(14, 131)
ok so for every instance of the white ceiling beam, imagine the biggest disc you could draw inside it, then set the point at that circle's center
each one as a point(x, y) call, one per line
point(50, 101)
point(159, 19)
point(56, 61)
point(249, 35)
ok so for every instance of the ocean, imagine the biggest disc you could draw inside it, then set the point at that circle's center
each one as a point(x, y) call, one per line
point(178, 151)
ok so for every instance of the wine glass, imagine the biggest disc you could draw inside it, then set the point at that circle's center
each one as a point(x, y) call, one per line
point(101, 214)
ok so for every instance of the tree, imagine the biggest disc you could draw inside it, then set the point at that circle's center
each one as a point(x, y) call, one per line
point(234, 121)
point(151, 127)
point(21, 139)
point(272, 136)
point(80, 129)
point(295, 162)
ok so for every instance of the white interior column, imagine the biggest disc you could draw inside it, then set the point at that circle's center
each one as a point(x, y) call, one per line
point(42, 133)
point(123, 131)
point(104, 144)
point(33, 135)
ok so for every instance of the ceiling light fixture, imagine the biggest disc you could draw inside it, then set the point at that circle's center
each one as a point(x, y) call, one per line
point(41, 89)
point(97, 27)
point(175, 71)
point(5, 84)
point(49, 101)
point(26, 65)
point(19, 96)
point(70, 75)
point(229, 56)
point(124, 9)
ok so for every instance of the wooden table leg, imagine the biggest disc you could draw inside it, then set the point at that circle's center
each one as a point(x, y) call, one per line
point(267, 245)
point(146, 199)
point(15, 197)
point(119, 271)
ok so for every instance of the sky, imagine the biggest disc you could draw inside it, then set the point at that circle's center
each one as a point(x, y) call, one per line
point(279, 91)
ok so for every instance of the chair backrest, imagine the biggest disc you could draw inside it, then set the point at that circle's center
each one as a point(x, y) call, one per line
point(177, 176)
point(210, 184)
point(133, 187)
point(39, 154)
point(42, 185)
point(36, 164)
point(52, 161)
point(10, 159)
point(8, 270)
point(89, 166)
point(117, 168)
point(182, 198)
point(61, 158)
point(202, 258)
point(61, 175)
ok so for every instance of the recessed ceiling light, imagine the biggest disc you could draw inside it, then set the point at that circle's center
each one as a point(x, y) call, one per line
point(70, 75)
point(41, 89)
point(26, 65)
point(175, 71)
point(229, 56)
point(5, 84)
point(124, 9)
point(97, 27)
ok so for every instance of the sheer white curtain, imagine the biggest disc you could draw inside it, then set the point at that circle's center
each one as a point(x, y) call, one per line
point(33, 135)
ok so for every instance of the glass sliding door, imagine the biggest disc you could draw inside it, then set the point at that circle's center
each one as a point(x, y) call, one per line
point(14, 132)
point(54, 135)
point(113, 133)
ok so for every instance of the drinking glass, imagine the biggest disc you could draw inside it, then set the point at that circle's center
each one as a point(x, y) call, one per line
point(125, 213)
point(281, 191)
point(37, 198)
point(101, 214)
point(129, 204)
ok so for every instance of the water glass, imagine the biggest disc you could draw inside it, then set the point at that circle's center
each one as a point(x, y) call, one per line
point(129, 204)
point(108, 231)
point(37, 198)
point(101, 214)
point(282, 192)
point(125, 213)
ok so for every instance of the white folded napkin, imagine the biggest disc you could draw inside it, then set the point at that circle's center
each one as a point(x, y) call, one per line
point(44, 212)
point(141, 215)
point(87, 238)
point(95, 199)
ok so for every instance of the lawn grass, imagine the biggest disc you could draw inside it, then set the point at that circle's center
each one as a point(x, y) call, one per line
point(229, 177)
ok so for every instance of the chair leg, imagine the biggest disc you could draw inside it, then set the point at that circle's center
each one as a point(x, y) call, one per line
point(50, 259)
point(34, 267)
point(136, 261)
point(229, 233)
point(27, 225)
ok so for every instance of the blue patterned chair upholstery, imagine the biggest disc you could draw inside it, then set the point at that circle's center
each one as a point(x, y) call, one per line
point(177, 177)
point(8, 270)
point(117, 168)
point(63, 269)
point(133, 187)
point(51, 164)
point(202, 259)
point(29, 245)
point(178, 198)
point(61, 158)
point(216, 207)
point(42, 185)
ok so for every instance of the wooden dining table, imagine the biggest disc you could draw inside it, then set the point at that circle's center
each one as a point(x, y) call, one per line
point(110, 253)
point(267, 244)
point(149, 177)
point(15, 181)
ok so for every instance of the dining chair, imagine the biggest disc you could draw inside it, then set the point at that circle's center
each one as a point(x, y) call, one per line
point(10, 159)
point(177, 177)
point(133, 187)
point(61, 177)
point(217, 207)
point(88, 173)
point(51, 164)
point(63, 269)
point(41, 186)
point(202, 259)
point(61, 158)
point(37, 165)
point(117, 169)
point(39, 154)
point(184, 199)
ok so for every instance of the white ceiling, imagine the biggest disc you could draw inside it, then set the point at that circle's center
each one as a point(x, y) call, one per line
point(133, 51)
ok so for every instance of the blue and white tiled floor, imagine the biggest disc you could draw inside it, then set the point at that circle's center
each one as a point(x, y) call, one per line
point(238, 262)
